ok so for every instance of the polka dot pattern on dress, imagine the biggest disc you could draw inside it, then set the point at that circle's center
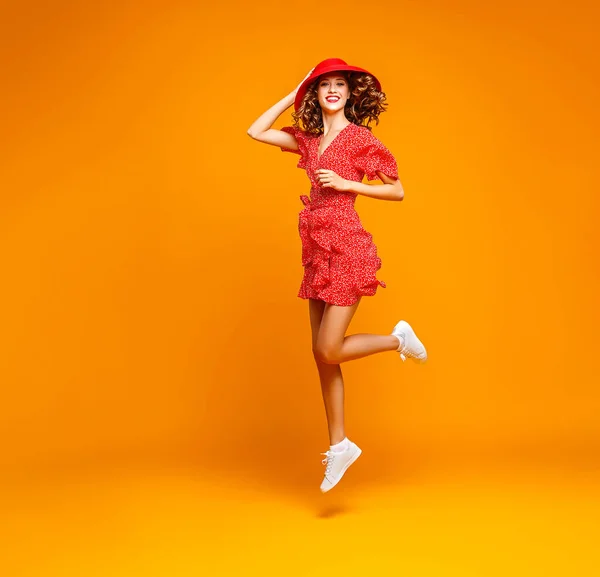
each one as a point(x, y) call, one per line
point(338, 255)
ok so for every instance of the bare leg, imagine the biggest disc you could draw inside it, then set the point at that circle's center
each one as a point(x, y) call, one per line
point(333, 347)
point(332, 381)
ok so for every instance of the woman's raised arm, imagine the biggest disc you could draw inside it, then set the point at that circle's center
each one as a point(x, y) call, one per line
point(261, 128)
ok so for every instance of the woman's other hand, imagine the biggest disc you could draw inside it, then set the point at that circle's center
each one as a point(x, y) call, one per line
point(330, 179)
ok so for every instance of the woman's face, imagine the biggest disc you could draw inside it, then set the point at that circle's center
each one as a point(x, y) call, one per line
point(333, 92)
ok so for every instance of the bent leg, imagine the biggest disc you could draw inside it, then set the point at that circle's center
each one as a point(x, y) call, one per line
point(333, 347)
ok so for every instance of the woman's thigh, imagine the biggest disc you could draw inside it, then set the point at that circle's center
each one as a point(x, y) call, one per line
point(315, 311)
point(334, 324)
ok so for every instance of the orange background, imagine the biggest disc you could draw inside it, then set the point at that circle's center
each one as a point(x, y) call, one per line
point(151, 258)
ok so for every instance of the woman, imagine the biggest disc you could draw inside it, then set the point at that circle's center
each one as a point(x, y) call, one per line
point(335, 103)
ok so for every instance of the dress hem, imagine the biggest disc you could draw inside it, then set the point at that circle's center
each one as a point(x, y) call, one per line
point(308, 294)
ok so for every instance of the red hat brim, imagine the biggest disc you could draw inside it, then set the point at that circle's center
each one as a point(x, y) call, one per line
point(326, 70)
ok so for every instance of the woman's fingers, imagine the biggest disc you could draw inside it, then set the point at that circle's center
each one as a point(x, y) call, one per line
point(325, 176)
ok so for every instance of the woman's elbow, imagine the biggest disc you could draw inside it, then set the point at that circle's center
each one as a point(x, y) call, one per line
point(399, 191)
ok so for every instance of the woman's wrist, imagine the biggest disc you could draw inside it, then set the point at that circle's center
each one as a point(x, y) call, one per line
point(291, 97)
point(350, 185)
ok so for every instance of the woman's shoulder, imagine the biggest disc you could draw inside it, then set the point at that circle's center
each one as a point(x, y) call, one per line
point(364, 135)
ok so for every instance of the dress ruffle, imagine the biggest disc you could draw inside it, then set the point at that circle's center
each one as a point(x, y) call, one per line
point(340, 262)
point(373, 157)
point(300, 137)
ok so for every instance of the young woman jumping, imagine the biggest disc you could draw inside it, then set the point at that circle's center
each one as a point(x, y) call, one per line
point(333, 107)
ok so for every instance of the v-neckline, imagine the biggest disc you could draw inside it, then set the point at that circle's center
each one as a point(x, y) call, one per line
point(320, 155)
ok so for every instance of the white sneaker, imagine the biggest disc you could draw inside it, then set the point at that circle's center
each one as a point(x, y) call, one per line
point(337, 464)
point(410, 346)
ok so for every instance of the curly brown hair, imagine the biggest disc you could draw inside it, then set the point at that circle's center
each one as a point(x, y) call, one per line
point(364, 105)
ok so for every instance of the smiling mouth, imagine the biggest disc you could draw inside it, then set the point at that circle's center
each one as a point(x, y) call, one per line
point(332, 98)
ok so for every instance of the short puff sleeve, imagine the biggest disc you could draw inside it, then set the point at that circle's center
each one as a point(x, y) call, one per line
point(373, 156)
point(300, 137)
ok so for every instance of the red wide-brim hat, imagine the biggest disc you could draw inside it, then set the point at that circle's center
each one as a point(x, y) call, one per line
point(325, 67)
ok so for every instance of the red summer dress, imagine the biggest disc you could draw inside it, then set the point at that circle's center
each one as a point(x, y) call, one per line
point(338, 255)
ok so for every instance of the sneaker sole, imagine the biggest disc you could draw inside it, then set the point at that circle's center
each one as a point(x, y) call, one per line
point(356, 456)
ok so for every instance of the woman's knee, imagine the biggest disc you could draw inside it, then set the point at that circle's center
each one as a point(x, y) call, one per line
point(326, 354)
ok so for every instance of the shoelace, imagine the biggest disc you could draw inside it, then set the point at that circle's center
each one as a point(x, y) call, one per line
point(406, 353)
point(328, 460)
